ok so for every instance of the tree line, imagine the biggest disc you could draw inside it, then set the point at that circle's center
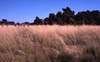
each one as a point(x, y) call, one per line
point(67, 17)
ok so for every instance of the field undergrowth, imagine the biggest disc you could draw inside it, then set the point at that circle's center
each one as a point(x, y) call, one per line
point(50, 43)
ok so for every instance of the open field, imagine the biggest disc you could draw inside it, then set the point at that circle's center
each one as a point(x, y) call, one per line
point(50, 43)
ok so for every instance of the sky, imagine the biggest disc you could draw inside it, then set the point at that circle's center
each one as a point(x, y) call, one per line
point(26, 10)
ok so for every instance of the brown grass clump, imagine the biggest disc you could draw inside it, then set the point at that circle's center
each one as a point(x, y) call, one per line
point(47, 43)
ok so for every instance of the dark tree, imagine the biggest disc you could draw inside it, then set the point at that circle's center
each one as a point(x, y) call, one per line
point(38, 21)
point(67, 17)
point(4, 20)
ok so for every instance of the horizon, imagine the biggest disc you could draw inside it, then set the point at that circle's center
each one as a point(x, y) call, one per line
point(27, 10)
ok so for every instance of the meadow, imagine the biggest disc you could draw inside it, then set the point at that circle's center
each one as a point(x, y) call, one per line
point(45, 43)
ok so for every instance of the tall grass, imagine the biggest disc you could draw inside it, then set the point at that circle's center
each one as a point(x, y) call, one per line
point(47, 43)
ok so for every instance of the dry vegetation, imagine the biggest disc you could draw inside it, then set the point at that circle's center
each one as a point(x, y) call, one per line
point(50, 43)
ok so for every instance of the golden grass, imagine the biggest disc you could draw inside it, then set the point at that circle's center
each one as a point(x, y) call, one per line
point(44, 43)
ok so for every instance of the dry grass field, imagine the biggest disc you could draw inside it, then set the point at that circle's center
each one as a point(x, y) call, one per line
point(50, 43)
